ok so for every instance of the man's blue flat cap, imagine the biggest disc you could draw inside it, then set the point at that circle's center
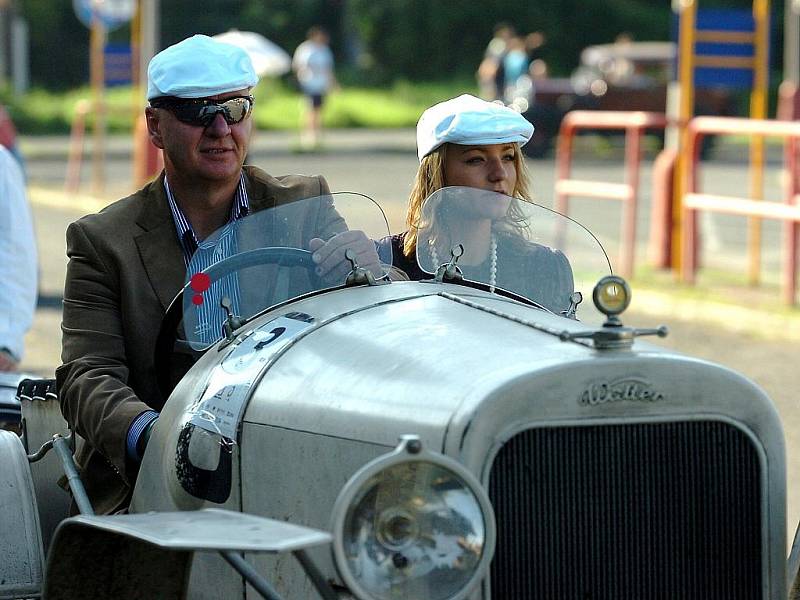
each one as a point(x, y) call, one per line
point(199, 67)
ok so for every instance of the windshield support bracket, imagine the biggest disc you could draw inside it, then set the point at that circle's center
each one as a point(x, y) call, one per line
point(232, 322)
point(360, 275)
point(450, 271)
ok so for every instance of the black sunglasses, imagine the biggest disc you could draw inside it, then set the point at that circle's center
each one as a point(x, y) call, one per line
point(201, 113)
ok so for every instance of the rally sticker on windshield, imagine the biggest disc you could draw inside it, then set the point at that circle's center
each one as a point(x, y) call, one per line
point(219, 410)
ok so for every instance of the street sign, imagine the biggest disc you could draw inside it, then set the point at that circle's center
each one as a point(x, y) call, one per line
point(118, 63)
point(724, 48)
point(111, 13)
point(735, 56)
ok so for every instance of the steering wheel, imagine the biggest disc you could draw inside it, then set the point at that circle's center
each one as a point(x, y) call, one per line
point(166, 344)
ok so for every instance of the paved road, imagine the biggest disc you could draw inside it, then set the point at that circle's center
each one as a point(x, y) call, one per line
point(761, 345)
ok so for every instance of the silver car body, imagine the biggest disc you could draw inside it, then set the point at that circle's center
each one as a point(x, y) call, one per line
point(613, 468)
point(409, 358)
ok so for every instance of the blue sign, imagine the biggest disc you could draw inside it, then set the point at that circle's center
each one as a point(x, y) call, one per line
point(729, 21)
point(111, 13)
point(724, 48)
point(118, 63)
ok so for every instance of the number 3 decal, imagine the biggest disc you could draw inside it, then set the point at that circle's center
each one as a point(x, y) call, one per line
point(275, 333)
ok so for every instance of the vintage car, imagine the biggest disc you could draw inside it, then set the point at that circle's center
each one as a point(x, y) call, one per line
point(621, 76)
point(477, 434)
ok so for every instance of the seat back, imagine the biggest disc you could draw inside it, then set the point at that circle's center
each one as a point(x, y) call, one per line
point(22, 563)
point(41, 420)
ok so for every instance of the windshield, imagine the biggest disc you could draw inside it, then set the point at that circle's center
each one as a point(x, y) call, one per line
point(513, 245)
point(265, 259)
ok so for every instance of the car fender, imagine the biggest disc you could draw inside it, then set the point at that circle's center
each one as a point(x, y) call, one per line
point(21, 568)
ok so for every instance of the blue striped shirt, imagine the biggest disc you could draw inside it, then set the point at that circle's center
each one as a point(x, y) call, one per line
point(186, 236)
point(201, 255)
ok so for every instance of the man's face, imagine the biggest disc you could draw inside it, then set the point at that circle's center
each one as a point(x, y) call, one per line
point(214, 153)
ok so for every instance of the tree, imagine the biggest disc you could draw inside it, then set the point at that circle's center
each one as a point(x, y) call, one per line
point(386, 39)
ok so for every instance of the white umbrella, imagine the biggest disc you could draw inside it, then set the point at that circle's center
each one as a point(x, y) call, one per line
point(268, 58)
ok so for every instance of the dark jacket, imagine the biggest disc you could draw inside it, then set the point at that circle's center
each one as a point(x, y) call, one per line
point(125, 267)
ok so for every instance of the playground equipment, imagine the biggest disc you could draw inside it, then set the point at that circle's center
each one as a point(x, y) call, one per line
point(788, 211)
point(717, 46)
point(634, 124)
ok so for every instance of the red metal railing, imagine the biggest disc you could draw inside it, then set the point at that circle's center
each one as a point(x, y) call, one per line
point(634, 125)
point(787, 211)
point(72, 182)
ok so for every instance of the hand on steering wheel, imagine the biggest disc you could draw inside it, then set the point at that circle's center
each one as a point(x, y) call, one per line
point(329, 257)
point(167, 336)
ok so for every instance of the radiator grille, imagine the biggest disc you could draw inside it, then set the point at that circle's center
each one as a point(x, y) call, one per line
point(639, 511)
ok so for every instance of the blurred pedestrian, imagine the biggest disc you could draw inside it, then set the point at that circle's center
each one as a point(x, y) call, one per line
point(18, 266)
point(515, 66)
point(313, 65)
point(491, 74)
point(619, 69)
point(534, 48)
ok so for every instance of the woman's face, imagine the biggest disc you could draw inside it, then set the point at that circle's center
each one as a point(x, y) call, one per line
point(492, 167)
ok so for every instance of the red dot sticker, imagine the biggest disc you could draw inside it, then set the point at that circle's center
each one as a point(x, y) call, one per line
point(197, 299)
point(200, 282)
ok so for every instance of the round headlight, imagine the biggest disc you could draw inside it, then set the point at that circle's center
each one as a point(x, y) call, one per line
point(412, 524)
point(612, 295)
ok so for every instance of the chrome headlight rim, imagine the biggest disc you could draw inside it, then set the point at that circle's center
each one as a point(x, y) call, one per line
point(611, 304)
point(409, 450)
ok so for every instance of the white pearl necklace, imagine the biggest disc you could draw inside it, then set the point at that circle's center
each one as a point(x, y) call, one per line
point(492, 260)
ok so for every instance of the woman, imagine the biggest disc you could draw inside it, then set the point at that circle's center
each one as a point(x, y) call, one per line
point(472, 143)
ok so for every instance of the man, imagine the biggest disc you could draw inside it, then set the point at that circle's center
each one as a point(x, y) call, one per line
point(17, 262)
point(128, 261)
point(313, 64)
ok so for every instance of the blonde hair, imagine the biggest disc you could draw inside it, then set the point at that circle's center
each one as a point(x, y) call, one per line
point(430, 178)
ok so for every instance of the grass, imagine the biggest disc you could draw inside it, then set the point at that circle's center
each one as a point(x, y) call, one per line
point(722, 296)
point(278, 106)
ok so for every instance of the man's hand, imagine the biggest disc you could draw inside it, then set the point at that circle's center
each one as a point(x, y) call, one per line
point(333, 267)
point(7, 361)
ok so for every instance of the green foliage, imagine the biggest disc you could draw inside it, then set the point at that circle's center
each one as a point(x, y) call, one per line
point(41, 111)
point(59, 43)
point(45, 112)
point(398, 105)
point(277, 106)
point(375, 42)
point(378, 41)
point(418, 39)
point(284, 22)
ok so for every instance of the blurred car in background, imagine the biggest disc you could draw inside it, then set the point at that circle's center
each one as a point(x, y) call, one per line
point(620, 76)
